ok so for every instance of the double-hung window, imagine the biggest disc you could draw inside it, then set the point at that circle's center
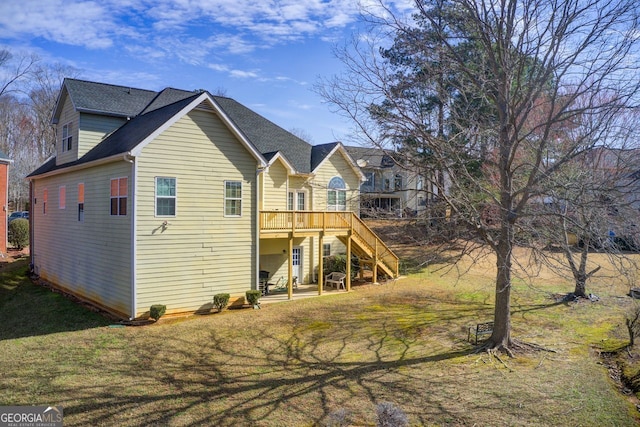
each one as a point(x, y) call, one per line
point(165, 196)
point(397, 182)
point(81, 202)
point(45, 199)
point(370, 183)
point(67, 137)
point(62, 197)
point(326, 249)
point(119, 193)
point(232, 198)
point(337, 195)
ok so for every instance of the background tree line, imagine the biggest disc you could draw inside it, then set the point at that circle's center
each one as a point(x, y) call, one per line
point(28, 92)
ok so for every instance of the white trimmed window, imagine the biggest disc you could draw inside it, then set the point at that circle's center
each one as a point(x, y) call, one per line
point(81, 202)
point(337, 195)
point(119, 192)
point(165, 196)
point(232, 198)
point(326, 249)
point(397, 182)
point(296, 200)
point(62, 197)
point(67, 137)
point(45, 199)
point(370, 183)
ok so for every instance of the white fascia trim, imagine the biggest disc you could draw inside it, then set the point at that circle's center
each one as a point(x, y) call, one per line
point(348, 158)
point(193, 104)
point(283, 159)
point(114, 158)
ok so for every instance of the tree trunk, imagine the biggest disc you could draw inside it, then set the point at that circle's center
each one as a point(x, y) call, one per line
point(501, 336)
point(581, 287)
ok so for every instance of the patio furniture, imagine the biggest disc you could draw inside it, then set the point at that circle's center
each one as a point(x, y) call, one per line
point(335, 279)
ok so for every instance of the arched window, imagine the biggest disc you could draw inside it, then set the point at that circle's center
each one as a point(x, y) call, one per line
point(337, 195)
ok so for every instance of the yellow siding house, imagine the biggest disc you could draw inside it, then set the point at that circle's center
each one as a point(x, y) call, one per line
point(171, 197)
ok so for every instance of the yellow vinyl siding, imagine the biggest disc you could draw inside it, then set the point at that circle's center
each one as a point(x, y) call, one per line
point(200, 252)
point(67, 115)
point(275, 187)
point(336, 165)
point(91, 259)
point(93, 129)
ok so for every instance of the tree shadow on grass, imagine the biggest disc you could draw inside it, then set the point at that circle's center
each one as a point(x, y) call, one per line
point(27, 309)
point(295, 368)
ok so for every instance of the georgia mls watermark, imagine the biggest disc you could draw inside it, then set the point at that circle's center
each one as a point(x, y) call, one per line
point(30, 416)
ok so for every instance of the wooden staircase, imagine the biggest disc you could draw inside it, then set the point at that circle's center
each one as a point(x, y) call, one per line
point(371, 249)
point(345, 225)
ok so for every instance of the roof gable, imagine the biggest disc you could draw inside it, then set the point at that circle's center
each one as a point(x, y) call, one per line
point(321, 153)
point(105, 99)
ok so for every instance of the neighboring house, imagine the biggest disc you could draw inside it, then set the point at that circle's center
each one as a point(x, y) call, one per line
point(390, 188)
point(171, 197)
point(4, 197)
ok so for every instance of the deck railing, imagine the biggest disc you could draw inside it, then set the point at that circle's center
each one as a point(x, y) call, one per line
point(322, 221)
point(304, 220)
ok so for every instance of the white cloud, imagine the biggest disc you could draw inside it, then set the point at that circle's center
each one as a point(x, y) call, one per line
point(81, 23)
point(243, 74)
point(97, 24)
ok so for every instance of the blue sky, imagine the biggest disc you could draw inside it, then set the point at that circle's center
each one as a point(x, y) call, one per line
point(267, 54)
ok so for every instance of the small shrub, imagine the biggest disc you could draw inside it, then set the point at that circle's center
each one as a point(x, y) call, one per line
point(221, 301)
point(390, 415)
point(338, 418)
point(19, 233)
point(157, 311)
point(253, 297)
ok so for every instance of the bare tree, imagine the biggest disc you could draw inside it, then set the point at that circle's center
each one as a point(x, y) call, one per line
point(302, 134)
point(15, 71)
point(522, 102)
point(28, 94)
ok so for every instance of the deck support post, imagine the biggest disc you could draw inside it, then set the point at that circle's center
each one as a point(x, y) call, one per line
point(374, 262)
point(290, 272)
point(348, 278)
point(320, 263)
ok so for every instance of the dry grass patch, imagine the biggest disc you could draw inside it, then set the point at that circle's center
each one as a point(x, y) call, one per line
point(299, 363)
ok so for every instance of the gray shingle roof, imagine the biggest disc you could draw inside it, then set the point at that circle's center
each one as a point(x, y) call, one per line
point(108, 99)
point(375, 157)
point(266, 136)
point(148, 110)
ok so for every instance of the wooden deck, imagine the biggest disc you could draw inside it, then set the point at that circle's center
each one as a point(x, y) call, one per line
point(346, 225)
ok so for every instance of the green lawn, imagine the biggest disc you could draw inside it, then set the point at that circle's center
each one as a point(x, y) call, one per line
point(304, 363)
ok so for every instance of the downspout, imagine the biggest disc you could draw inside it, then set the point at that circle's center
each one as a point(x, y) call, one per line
point(32, 261)
point(134, 173)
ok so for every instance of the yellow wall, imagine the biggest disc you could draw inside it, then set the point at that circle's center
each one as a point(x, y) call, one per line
point(274, 187)
point(91, 258)
point(67, 115)
point(93, 129)
point(200, 252)
point(336, 165)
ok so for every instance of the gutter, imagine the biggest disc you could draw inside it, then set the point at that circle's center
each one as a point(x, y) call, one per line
point(110, 159)
point(259, 187)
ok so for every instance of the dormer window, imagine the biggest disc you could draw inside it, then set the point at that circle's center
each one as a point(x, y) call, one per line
point(67, 137)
